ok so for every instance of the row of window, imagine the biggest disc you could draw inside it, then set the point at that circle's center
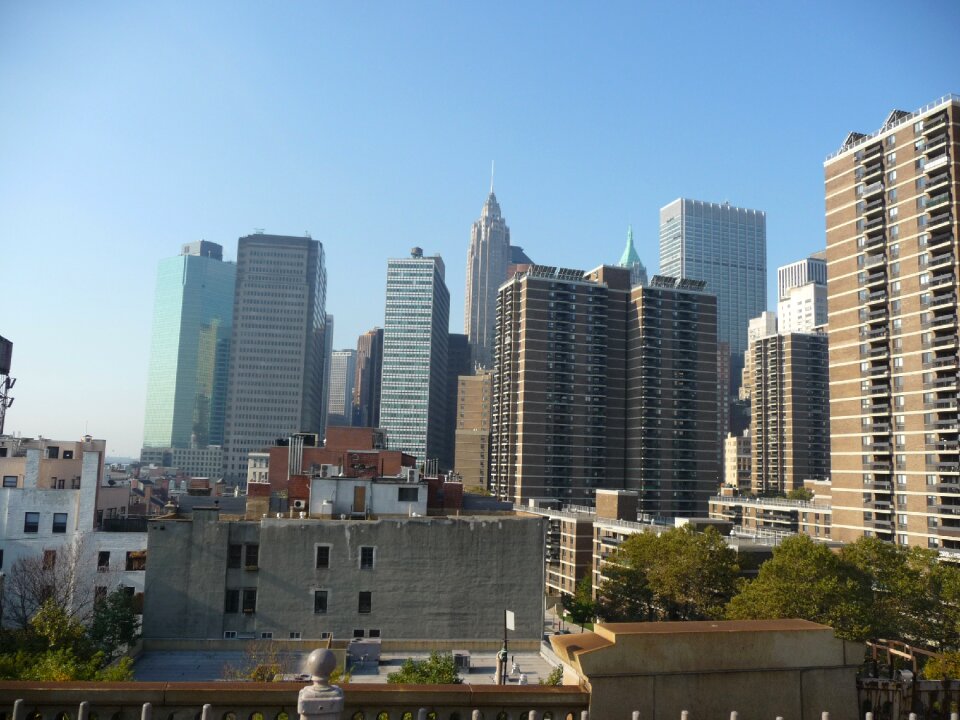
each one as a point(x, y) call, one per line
point(244, 600)
point(31, 522)
point(248, 556)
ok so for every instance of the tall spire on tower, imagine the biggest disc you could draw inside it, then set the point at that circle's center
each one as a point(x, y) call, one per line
point(492, 165)
point(630, 259)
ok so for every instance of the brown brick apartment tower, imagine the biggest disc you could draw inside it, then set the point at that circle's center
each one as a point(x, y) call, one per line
point(891, 217)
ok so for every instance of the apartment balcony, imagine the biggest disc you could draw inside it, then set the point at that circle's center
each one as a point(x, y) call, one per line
point(948, 531)
point(940, 300)
point(871, 335)
point(877, 485)
point(941, 404)
point(878, 523)
point(944, 382)
point(933, 124)
point(943, 446)
point(878, 390)
point(939, 260)
point(937, 201)
point(872, 189)
point(875, 278)
point(875, 150)
point(878, 352)
point(879, 371)
point(880, 427)
point(940, 321)
point(937, 182)
point(873, 207)
point(941, 423)
point(942, 280)
point(874, 240)
point(941, 219)
point(941, 342)
point(877, 465)
point(877, 408)
point(936, 162)
point(949, 361)
point(874, 224)
point(948, 467)
point(938, 239)
point(934, 143)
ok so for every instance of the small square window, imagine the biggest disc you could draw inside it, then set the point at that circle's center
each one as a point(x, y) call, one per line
point(266, 636)
point(9, 481)
point(408, 494)
point(366, 557)
point(373, 632)
point(229, 634)
point(365, 604)
point(31, 522)
point(59, 523)
point(323, 556)
point(294, 635)
point(358, 632)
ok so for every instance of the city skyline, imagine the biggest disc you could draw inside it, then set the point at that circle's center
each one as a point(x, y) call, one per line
point(140, 129)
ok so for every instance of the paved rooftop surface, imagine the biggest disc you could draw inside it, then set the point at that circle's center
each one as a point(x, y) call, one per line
point(202, 666)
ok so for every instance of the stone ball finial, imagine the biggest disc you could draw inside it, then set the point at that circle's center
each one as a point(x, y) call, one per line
point(320, 664)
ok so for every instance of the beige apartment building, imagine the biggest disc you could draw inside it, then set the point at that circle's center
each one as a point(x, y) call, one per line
point(736, 459)
point(597, 385)
point(891, 216)
point(473, 429)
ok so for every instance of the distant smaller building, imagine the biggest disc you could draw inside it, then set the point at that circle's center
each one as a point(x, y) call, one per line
point(473, 429)
point(736, 472)
point(193, 462)
point(777, 514)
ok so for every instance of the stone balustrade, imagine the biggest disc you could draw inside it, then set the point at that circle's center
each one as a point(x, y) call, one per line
point(278, 701)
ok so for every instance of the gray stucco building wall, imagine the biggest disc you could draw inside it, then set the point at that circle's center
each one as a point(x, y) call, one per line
point(444, 578)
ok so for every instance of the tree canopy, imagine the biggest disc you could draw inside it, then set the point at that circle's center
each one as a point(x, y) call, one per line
point(679, 574)
point(438, 669)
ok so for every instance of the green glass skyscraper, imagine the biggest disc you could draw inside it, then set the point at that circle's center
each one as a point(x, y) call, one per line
point(190, 348)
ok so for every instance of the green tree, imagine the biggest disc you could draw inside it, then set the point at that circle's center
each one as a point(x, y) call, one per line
point(581, 606)
point(438, 669)
point(554, 678)
point(800, 493)
point(679, 574)
point(115, 624)
point(806, 580)
point(945, 666)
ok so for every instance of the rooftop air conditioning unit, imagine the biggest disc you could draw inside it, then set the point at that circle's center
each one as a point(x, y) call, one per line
point(299, 504)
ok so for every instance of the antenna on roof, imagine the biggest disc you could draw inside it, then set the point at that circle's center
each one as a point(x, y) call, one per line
point(492, 165)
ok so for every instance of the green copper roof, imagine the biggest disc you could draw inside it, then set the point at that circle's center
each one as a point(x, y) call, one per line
point(630, 256)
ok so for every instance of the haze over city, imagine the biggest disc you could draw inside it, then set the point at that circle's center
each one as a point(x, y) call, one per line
point(132, 129)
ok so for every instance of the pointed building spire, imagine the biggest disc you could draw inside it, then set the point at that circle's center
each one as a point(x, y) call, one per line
point(492, 166)
point(631, 259)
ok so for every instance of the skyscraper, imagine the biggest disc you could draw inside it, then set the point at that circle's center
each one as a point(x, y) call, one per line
point(892, 249)
point(413, 401)
point(790, 404)
point(726, 247)
point(600, 385)
point(631, 260)
point(277, 355)
point(487, 261)
point(189, 351)
point(366, 388)
point(342, 375)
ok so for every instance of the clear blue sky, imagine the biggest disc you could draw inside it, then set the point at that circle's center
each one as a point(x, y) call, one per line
point(129, 128)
